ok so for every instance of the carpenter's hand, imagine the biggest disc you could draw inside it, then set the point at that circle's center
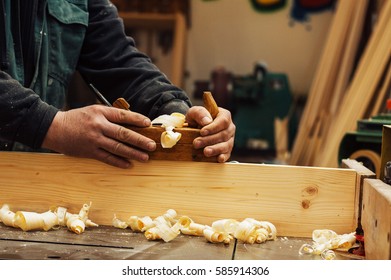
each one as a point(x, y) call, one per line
point(95, 132)
point(217, 136)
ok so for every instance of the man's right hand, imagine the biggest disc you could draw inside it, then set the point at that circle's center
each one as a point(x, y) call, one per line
point(96, 132)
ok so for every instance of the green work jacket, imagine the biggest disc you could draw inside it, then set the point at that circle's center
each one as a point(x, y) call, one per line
point(59, 36)
point(68, 35)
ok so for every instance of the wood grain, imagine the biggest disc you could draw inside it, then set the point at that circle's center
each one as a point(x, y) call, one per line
point(362, 173)
point(376, 219)
point(296, 199)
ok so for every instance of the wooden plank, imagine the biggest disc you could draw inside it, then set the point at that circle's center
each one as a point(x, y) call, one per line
point(362, 174)
point(179, 50)
point(281, 135)
point(376, 219)
point(349, 56)
point(367, 76)
point(296, 199)
point(323, 83)
point(361, 170)
point(382, 95)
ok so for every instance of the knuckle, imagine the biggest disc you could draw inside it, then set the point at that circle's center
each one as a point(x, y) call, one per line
point(109, 159)
point(95, 109)
point(122, 116)
point(117, 148)
point(226, 121)
point(233, 128)
point(122, 133)
point(224, 136)
point(199, 110)
point(195, 113)
point(139, 141)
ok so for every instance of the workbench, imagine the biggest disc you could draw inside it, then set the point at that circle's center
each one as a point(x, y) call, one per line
point(109, 243)
point(297, 200)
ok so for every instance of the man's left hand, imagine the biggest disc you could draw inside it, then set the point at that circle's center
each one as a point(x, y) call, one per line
point(217, 136)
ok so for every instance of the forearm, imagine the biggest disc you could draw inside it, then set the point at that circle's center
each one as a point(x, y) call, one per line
point(118, 69)
point(24, 117)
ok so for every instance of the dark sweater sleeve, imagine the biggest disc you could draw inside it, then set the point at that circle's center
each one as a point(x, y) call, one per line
point(111, 61)
point(24, 117)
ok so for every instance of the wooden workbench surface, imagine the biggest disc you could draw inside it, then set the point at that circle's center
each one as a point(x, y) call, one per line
point(109, 243)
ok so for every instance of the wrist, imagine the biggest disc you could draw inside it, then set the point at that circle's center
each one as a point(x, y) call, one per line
point(54, 132)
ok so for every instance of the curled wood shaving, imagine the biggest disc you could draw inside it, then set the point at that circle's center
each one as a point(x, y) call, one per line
point(51, 219)
point(168, 226)
point(169, 138)
point(325, 241)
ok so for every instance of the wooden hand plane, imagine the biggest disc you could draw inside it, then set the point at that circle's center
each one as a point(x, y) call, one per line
point(183, 150)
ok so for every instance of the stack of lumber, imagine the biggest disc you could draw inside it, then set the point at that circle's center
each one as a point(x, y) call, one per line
point(342, 93)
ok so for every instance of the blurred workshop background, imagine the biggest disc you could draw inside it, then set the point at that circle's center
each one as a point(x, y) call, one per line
point(307, 82)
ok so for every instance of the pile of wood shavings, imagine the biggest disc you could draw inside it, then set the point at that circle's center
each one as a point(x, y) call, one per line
point(325, 241)
point(51, 219)
point(168, 226)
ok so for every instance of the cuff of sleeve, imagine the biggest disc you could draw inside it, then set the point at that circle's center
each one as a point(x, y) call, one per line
point(36, 124)
point(174, 106)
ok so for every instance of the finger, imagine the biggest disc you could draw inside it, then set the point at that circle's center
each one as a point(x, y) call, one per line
point(222, 136)
point(112, 159)
point(124, 135)
point(223, 157)
point(121, 116)
point(124, 151)
point(219, 149)
point(222, 122)
point(198, 116)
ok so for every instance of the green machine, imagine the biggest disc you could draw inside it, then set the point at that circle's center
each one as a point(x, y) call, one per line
point(257, 100)
point(364, 144)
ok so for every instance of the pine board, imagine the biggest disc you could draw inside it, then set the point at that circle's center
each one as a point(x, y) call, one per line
point(363, 173)
point(296, 199)
point(376, 219)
